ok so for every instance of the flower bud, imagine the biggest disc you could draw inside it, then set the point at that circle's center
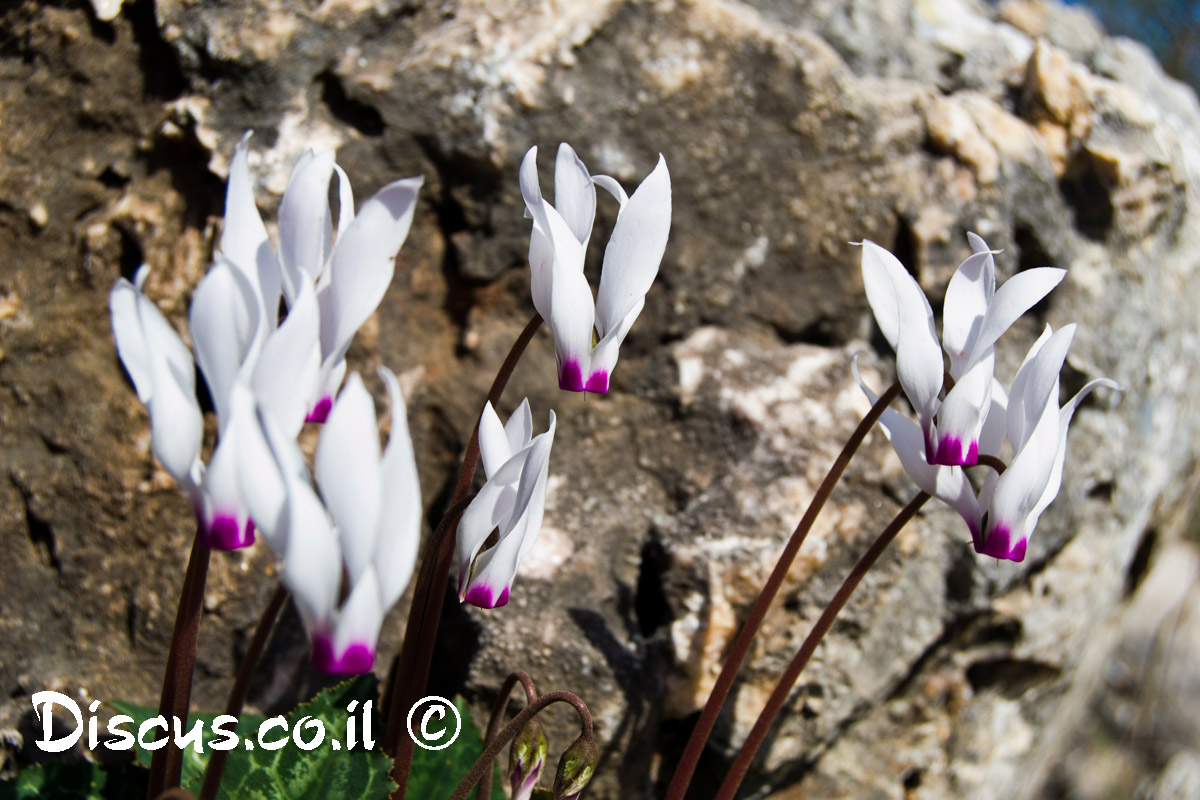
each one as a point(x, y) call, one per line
point(575, 768)
point(526, 759)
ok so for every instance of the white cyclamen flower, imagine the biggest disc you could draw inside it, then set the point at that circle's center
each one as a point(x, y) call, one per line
point(512, 501)
point(163, 374)
point(363, 528)
point(343, 281)
point(975, 315)
point(558, 245)
point(1037, 431)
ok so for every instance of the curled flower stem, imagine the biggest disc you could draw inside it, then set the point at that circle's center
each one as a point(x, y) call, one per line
point(496, 744)
point(493, 728)
point(741, 646)
point(741, 763)
point(166, 766)
point(424, 617)
point(237, 695)
point(993, 462)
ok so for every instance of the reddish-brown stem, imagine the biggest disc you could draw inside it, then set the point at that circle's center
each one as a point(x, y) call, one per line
point(166, 765)
point(424, 617)
point(992, 461)
point(237, 695)
point(493, 728)
point(492, 748)
point(741, 645)
point(741, 763)
point(176, 793)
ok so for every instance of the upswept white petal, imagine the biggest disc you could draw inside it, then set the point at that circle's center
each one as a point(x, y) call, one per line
point(607, 350)
point(163, 374)
point(1016, 296)
point(494, 448)
point(312, 563)
point(967, 297)
point(176, 427)
point(635, 249)
point(519, 428)
point(305, 222)
point(348, 474)
point(991, 437)
point(610, 185)
point(400, 514)
point(906, 320)
point(574, 193)
point(131, 341)
point(244, 239)
point(363, 263)
point(285, 376)
point(559, 287)
point(1054, 481)
point(224, 320)
point(261, 466)
point(1036, 384)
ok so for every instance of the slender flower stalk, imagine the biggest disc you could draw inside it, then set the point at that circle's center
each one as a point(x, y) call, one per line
point(741, 762)
point(741, 645)
point(241, 685)
point(166, 765)
point(416, 654)
point(497, 718)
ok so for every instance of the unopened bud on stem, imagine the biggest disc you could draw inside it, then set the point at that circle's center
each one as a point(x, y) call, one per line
point(575, 768)
point(526, 759)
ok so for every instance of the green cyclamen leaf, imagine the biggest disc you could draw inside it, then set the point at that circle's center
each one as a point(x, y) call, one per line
point(436, 773)
point(79, 781)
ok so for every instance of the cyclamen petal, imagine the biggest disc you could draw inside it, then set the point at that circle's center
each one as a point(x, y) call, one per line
point(906, 319)
point(305, 222)
point(961, 416)
point(363, 263)
point(485, 579)
point(400, 515)
point(163, 374)
point(348, 474)
point(224, 321)
point(557, 248)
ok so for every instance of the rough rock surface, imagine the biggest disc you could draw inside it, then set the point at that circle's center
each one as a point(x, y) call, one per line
point(791, 128)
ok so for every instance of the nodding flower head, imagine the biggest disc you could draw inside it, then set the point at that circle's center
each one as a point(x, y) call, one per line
point(977, 415)
point(163, 373)
point(511, 502)
point(358, 539)
point(588, 334)
point(975, 315)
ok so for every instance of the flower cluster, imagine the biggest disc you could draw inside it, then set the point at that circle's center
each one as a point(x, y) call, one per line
point(266, 378)
point(977, 415)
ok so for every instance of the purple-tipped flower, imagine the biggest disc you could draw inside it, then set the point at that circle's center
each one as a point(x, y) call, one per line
point(587, 333)
point(975, 315)
point(977, 415)
point(345, 275)
point(1037, 432)
point(163, 374)
point(527, 759)
point(512, 500)
point(363, 528)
